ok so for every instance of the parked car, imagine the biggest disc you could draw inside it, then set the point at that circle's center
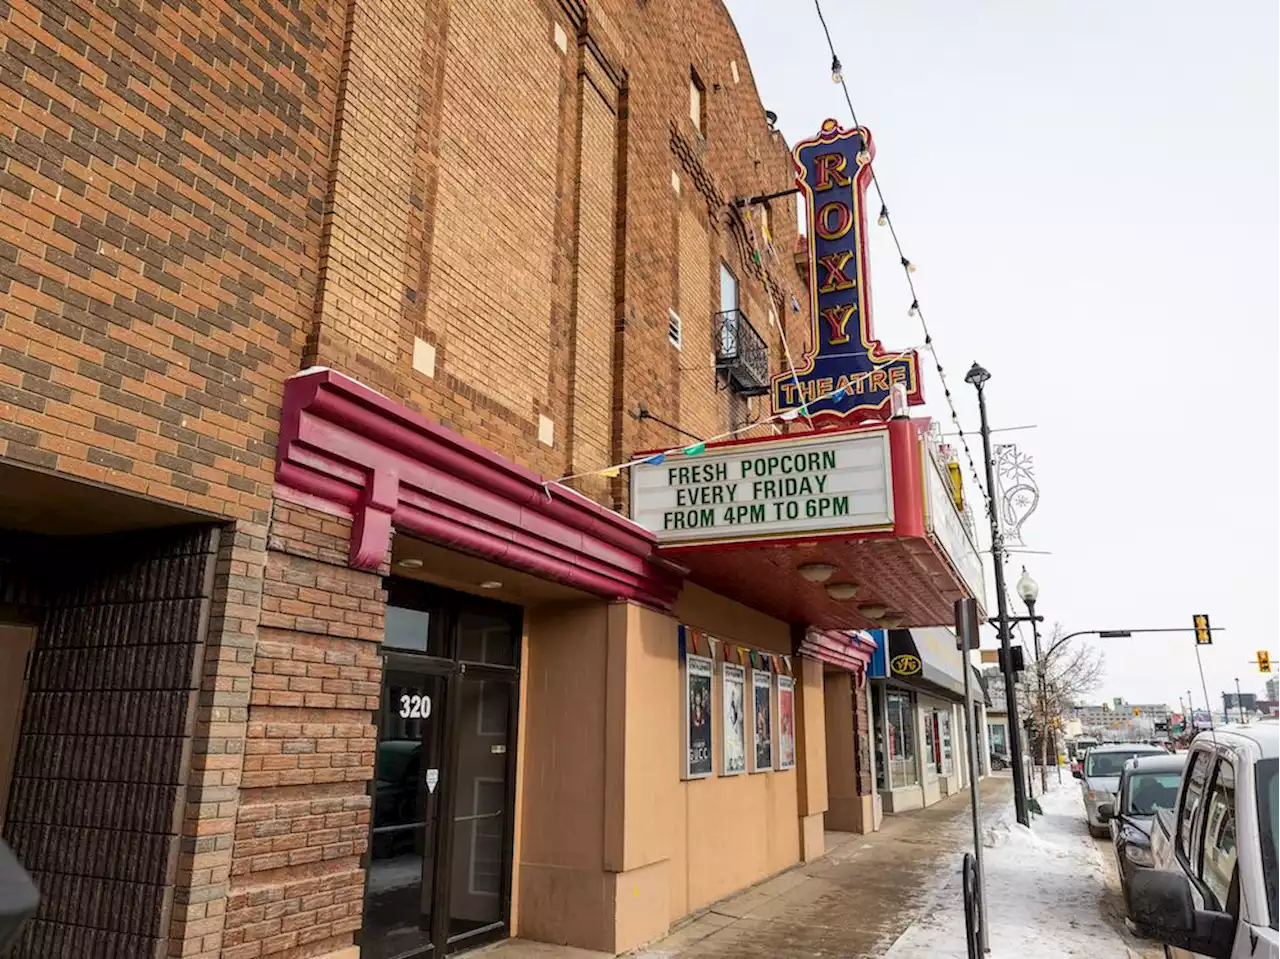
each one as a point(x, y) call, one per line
point(1212, 891)
point(1147, 784)
point(1100, 778)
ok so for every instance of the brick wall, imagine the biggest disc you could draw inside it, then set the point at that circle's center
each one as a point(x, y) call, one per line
point(302, 822)
point(102, 759)
point(162, 173)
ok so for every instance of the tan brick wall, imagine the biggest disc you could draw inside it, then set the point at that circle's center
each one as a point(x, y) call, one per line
point(302, 823)
point(591, 359)
point(162, 178)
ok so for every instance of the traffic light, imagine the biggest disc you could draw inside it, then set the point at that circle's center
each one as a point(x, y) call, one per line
point(1204, 635)
point(1136, 712)
point(1264, 661)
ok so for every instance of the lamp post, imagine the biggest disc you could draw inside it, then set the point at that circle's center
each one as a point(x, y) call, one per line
point(977, 377)
point(1239, 701)
point(1029, 591)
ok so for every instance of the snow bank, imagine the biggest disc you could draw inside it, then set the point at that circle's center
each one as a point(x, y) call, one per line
point(1045, 887)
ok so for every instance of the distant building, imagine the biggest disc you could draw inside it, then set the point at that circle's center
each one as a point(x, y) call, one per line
point(1273, 689)
point(1121, 720)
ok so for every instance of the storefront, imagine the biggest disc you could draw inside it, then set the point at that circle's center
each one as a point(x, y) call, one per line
point(918, 705)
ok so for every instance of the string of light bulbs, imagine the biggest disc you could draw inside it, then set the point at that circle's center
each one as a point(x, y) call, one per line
point(908, 268)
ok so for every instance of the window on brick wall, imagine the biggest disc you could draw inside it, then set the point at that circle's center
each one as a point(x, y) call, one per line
point(675, 331)
point(697, 102)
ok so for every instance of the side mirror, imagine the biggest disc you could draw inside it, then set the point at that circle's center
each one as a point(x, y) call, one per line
point(1077, 774)
point(1162, 908)
point(1106, 812)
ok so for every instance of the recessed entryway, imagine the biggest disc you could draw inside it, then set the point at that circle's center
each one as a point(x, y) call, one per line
point(439, 861)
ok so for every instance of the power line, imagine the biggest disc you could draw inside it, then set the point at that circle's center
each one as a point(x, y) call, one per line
point(908, 268)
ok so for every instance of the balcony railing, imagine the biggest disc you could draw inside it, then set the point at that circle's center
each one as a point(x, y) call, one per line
point(742, 356)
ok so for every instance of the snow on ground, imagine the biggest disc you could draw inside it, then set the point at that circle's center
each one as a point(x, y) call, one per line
point(1044, 886)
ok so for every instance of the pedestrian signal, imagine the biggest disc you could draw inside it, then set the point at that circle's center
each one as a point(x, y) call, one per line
point(1204, 635)
point(1264, 661)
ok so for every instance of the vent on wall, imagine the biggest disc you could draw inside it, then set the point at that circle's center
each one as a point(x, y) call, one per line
point(674, 331)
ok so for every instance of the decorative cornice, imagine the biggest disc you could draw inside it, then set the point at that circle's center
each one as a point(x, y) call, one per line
point(355, 450)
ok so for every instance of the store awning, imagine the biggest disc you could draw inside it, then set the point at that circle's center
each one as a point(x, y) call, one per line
point(839, 529)
point(924, 658)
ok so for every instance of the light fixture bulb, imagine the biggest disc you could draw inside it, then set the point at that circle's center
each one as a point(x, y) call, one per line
point(911, 267)
point(891, 620)
point(915, 309)
point(1028, 588)
point(882, 220)
point(864, 157)
point(873, 610)
point(842, 591)
point(490, 584)
point(837, 71)
point(410, 563)
point(816, 572)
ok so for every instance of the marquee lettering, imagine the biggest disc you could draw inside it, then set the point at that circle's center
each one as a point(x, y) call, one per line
point(835, 265)
point(843, 218)
point(830, 167)
point(837, 318)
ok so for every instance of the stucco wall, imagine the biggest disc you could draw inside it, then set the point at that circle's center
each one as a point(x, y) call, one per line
point(731, 831)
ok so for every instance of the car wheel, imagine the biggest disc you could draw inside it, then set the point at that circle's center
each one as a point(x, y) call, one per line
point(1096, 832)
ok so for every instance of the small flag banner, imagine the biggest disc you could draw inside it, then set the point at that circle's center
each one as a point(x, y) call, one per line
point(700, 643)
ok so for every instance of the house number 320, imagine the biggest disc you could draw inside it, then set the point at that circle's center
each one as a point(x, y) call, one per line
point(415, 707)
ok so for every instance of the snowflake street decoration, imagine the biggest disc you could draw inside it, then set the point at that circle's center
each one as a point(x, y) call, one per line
point(1017, 492)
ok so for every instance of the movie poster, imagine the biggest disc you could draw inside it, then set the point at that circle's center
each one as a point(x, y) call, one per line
point(762, 719)
point(733, 698)
point(698, 671)
point(786, 722)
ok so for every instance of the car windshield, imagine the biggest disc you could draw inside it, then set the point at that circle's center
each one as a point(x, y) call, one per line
point(1151, 791)
point(1266, 774)
point(1110, 763)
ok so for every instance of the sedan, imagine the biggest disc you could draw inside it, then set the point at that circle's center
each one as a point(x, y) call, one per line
point(1100, 778)
point(1146, 784)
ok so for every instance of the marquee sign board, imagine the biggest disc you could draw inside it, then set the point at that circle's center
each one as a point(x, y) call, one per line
point(778, 490)
point(845, 374)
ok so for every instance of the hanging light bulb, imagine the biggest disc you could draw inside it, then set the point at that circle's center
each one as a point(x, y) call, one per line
point(884, 216)
point(908, 265)
point(864, 157)
point(915, 308)
point(837, 71)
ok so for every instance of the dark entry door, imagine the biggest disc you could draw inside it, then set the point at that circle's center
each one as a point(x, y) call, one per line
point(439, 875)
point(399, 888)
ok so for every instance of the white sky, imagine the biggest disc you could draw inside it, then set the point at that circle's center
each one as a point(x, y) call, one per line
point(1089, 189)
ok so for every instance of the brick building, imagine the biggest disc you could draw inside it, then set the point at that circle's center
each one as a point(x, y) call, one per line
point(301, 309)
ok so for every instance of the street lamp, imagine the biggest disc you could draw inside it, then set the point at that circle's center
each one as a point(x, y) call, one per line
point(977, 377)
point(1028, 591)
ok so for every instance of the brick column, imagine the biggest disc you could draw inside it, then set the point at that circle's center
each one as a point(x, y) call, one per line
point(213, 781)
point(301, 823)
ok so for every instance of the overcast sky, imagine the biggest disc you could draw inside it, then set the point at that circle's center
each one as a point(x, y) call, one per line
point(1089, 189)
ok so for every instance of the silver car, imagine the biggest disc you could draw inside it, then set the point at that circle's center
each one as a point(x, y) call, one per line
point(1100, 778)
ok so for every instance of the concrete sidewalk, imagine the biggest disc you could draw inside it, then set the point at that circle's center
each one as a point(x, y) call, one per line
point(854, 901)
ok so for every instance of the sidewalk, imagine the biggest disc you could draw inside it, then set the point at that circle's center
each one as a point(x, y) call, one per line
point(855, 901)
point(1052, 891)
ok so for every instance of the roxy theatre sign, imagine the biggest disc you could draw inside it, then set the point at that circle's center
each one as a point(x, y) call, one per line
point(845, 373)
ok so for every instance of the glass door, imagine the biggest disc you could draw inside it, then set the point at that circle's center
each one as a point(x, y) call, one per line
point(406, 809)
point(439, 863)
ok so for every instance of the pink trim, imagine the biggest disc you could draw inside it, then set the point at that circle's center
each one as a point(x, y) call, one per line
point(847, 651)
point(344, 444)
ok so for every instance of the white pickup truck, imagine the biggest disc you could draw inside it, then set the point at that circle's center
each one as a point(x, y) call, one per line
point(1212, 891)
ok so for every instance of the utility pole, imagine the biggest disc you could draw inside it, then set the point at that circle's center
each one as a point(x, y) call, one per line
point(1239, 701)
point(977, 377)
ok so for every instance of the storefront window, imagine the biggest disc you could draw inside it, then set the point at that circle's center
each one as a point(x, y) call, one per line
point(879, 723)
point(942, 742)
point(901, 746)
point(931, 758)
point(995, 732)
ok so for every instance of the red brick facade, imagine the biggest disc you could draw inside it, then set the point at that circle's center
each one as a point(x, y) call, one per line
point(491, 225)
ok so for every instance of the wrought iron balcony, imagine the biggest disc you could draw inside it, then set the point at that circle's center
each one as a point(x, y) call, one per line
point(742, 356)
